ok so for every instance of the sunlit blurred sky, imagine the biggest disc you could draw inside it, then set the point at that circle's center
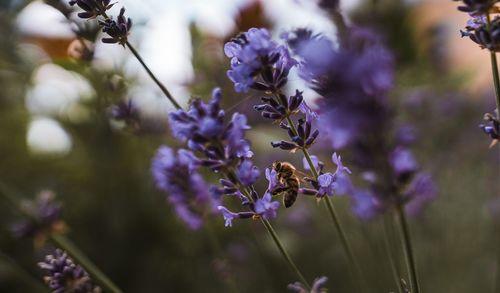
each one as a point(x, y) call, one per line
point(161, 34)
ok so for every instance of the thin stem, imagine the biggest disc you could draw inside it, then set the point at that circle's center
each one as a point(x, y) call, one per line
point(80, 258)
point(408, 250)
point(274, 235)
point(496, 82)
point(284, 253)
point(494, 70)
point(388, 250)
point(162, 87)
point(331, 210)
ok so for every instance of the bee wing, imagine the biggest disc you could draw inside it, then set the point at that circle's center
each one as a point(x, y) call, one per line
point(301, 175)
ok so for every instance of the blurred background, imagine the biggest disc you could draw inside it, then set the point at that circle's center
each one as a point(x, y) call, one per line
point(56, 134)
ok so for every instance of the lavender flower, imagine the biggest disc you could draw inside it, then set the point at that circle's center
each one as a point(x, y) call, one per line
point(265, 207)
point(353, 80)
point(492, 128)
point(316, 287)
point(92, 8)
point(117, 30)
point(176, 174)
point(44, 217)
point(63, 275)
point(247, 173)
point(257, 61)
point(420, 193)
point(476, 7)
point(125, 111)
point(487, 38)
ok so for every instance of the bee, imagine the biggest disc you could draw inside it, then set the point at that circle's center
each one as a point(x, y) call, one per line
point(287, 176)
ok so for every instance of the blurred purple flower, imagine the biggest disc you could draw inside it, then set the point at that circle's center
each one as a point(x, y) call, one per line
point(403, 162)
point(420, 193)
point(63, 275)
point(117, 30)
point(176, 174)
point(44, 216)
point(366, 205)
point(92, 8)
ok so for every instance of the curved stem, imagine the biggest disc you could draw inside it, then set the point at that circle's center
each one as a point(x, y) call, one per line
point(162, 87)
point(494, 70)
point(496, 82)
point(291, 264)
point(284, 253)
point(331, 210)
point(408, 250)
point(388, 250)
point(80, 258)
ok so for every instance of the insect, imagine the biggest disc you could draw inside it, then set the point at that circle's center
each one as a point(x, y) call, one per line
point(287, 176)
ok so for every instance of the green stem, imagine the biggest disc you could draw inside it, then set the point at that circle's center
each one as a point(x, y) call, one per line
point(80, 258)
point(408, 250)
point(162, 87)
point(331, 210)
point(496, 82)
point(291, 264)
point(388, 250)
point(494, 70)
point(284, 253)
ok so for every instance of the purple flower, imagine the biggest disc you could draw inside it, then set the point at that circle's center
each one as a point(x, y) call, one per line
point(124, 110)
point(272, 178)
point(247, 173)
point(403, 162)
point(201, 123)
point(486, 37)
point(117, 30)
point(237, 145)
point(420, 193)
point(267, 208)
point(318, 165)
point(230, 216)
point(176, 174)
point(365, 204)
point(316, 287)
point(63, 275)
point(476, 7)
point(353, 81)
point(253, 53)
point(92, 8)
point(44, 217)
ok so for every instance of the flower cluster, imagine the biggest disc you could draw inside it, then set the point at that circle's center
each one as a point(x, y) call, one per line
point(353, 81)
point(278, 107)
point(317, 286)
point(63, 275)
point(43, 217)
point(92, 8)
point(220, 146)
point(176, 174)
point(117, 30)
point(257, 61)
point(476, 7)
point(486, 36)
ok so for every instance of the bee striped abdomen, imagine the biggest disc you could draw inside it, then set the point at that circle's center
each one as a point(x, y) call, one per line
point(291, 193)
